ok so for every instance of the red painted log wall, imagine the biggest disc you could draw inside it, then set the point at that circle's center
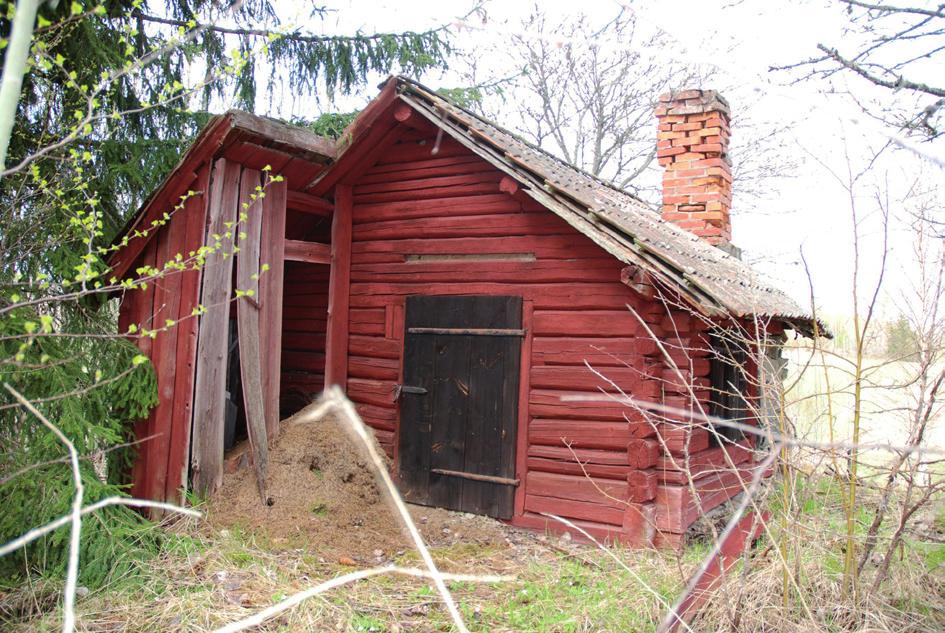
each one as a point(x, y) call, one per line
point(427, 224)
point(412, 211)
point(305, 315)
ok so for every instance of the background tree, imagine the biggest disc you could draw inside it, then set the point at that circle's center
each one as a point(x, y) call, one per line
point(901, 339)
point(112, 93)
point(898, 48)
point(585, 91)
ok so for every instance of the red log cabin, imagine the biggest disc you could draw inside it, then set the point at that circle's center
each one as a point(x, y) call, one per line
point(522, 337)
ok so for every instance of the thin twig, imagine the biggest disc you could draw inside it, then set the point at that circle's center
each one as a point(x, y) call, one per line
point(72, 570)
point(298, 598)
point(36, 533)
point(334, 398)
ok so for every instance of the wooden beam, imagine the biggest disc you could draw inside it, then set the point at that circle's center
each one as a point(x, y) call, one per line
point(306, 203)
point(291, 135)
point(339, 285)
point(247, 317)
point(270, 294)
point(508, 185)
point(210, 384)
point(524, 419)
point(403, 112)
point(255, 156)
point(404, 115)
point(310, 252)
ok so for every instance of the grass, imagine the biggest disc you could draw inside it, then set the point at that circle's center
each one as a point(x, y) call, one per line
point(205, 579)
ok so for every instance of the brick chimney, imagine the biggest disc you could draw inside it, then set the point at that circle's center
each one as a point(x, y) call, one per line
point(692, 144)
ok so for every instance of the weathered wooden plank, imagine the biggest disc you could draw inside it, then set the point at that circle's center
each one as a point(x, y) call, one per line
point(309, 252)
point(172, 242)
point(374, 368)
point(572, 509)
point(247, 316)
point(548, 403)
point(336, 364)
point(140, 315)
point(585, 455)
point(523, 415)
point(393, 173)
point(556, 296)
point(317, 147)
point(210, 387)
point(586, 323)
point(597, 352)
point(546, 246)
point(379, 393)
point(603, 532)
point(558, 271)
point(478, 204)
point(378, 418)
point(308, 360)
point(607, 492)
point(305, 341)
point(401, 153)
point(678, 470)
point(307, 203)
point(565, 467)
point(425, 182)
point(196, 215)
point(677, 508)
point(449, 163)
point(271, 293)
point(626, 379)
point(374, 346)
point(491, 225)
point(431, 193)
point(579, 434)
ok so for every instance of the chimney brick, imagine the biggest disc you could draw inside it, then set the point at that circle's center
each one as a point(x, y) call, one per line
point(692, 146)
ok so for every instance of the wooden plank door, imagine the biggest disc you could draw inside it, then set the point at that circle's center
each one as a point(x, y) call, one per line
point(459, 402)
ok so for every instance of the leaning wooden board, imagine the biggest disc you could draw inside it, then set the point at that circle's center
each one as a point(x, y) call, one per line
point(210, 383)
point(247, 325)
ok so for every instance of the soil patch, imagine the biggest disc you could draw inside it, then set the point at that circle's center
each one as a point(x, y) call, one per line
point(327, 500)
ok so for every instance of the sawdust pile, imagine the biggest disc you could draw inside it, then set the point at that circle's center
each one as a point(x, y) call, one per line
point(327, 500)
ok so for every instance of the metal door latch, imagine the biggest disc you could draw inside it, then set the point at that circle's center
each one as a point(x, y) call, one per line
point(399, 390)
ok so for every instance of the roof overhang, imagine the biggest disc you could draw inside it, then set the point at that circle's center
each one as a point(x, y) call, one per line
point(222, 132)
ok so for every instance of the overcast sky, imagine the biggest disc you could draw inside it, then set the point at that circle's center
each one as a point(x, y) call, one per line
point(808, 210)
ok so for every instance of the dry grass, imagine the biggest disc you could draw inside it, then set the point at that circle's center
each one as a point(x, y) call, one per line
point(205, 578)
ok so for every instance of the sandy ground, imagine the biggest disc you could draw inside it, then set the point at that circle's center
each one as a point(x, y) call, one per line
point(326, 498)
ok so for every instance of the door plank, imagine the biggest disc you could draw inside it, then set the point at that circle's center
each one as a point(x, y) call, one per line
point(450, 418)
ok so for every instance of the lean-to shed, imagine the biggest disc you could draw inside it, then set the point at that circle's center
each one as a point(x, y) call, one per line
point(506, 323)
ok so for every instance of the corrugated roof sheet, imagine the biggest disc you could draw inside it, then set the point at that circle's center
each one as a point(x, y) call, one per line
point(715, 282)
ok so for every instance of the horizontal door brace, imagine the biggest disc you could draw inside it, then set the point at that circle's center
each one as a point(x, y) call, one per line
point(460, 331)
point(505, 481)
